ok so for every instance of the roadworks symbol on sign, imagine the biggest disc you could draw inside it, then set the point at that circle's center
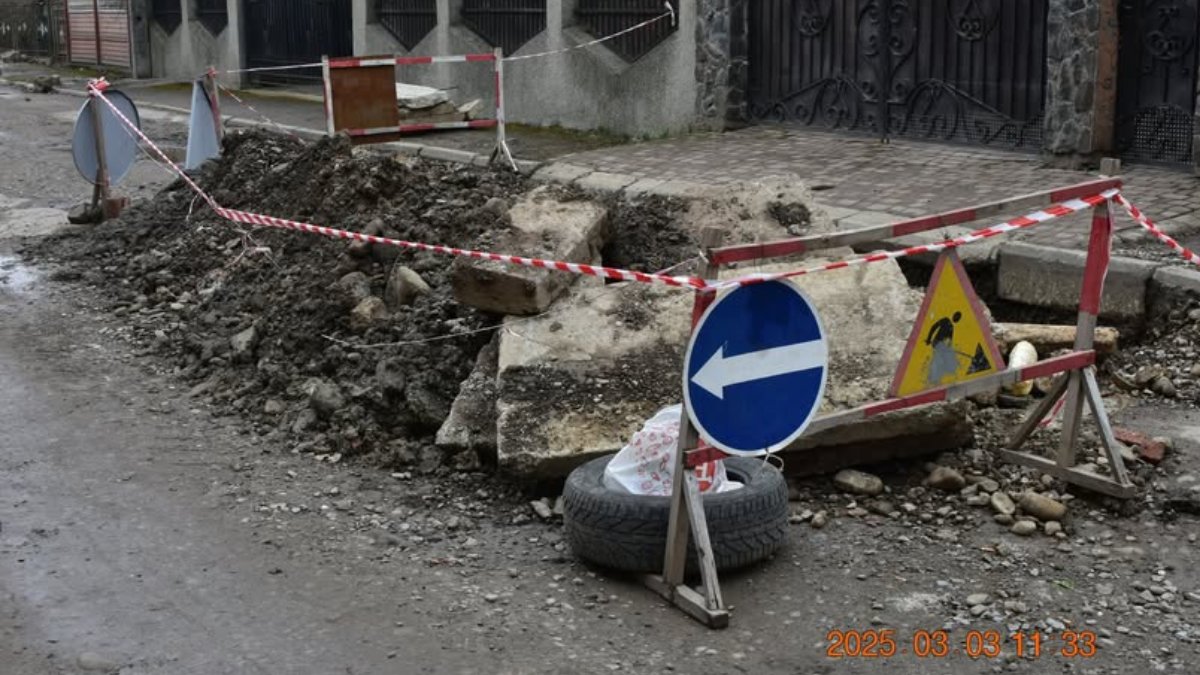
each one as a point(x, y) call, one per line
point(952, 339)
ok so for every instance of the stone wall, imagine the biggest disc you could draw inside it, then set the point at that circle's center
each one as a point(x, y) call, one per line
point(1071, 64)
point(720, 62)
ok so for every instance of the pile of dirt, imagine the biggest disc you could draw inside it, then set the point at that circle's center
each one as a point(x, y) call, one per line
point(338, 344)
point(1165, 363)
point(265, 321)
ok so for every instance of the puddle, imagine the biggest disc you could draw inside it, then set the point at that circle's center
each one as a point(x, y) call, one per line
point(16, 277)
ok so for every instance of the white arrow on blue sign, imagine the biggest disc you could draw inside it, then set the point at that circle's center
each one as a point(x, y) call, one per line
point(755, 368)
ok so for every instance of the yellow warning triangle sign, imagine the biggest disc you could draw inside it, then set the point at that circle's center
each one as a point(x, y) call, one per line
point(951, 339)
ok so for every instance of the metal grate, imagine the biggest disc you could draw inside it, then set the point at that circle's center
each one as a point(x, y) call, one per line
point(409, 20)
point(506, 24)
point(288, 32)
point(33, 27)
point(168, 13)
point(1156, 80)
point(606, 17)
point(214, 14)
point(971, 71)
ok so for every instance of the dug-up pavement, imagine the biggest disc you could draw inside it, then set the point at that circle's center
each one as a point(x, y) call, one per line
point(147, 526)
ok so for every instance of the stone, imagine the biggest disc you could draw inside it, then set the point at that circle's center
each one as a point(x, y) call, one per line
point(1002, 503)
point(273, 407)
point(497, 206)
point(404, 286)
point(1052, 527)
point(325, 398)
point(978, 599)
point(352, 289)
point(988, 485)
point(1024, 528)
point(880, 507)
point(858, 482)
point(242, 345)
point(1163, 386)
point(819, 520)
point(1042, 507)
point(389, 376)
point(368, 313)
point(1146, 375)
point(1196, 371)
point(542, 508)
point(428, 408)
point(417, 97)
point(94, 661)
point(1003, 518)
point(947, 479)
point(542, 227)
point(471, 423)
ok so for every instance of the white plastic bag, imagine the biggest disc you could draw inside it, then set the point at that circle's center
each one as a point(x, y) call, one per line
point(644, 466)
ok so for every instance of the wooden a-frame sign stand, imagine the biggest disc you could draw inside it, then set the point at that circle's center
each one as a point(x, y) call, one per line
point(687, 508)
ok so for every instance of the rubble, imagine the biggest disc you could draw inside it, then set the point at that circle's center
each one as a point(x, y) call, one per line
point(858, 482)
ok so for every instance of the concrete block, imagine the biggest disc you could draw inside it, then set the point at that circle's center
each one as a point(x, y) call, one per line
point(1185, 279)
point(643, 186)
point(542, 227)
point(447, 154)
point(602, 181)
point(1051, 277)
point(559, 172)
point(471, 426)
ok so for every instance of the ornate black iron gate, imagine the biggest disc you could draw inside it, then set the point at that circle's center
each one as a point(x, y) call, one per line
point(956, 70)
point(1156, 80)
point(287, 32)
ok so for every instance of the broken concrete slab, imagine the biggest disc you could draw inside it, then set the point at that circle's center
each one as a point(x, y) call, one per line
point(1042, 276)
point(471, 425)
point(542, 227)
point(1048, 338)
point(576, 383)
point(601, 181)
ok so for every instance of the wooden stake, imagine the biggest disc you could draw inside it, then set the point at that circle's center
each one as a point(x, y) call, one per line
point(100, 194)
point(687, 507)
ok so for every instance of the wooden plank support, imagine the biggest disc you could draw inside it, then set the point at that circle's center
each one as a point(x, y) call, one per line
point(1071, 475)
point(687, 508)
point(866, 235)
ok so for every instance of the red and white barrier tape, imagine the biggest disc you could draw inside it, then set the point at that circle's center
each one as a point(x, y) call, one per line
point(669, 13)
point(353, 62)
point(281, 223)
point(1165, 238)
point(1057, 211)
point(265, 69)
point(254, 110)
point(95, 89)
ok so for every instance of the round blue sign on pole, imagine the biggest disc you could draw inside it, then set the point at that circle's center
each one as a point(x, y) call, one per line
point(755, 368)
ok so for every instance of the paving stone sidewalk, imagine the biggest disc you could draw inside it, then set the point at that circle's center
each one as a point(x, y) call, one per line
point(864, 176)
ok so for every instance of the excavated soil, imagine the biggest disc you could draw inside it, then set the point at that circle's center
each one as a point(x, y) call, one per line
point(193, 286)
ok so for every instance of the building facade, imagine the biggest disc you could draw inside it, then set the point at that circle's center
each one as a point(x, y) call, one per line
point(1072, 79)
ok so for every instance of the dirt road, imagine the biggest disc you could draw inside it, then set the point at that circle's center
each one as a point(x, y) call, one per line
point(142, 534)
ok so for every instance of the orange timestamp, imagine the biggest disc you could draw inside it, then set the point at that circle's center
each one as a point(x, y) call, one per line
point(975, 644)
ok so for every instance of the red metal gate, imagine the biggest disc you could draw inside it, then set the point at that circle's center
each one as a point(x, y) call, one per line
point(98, 33)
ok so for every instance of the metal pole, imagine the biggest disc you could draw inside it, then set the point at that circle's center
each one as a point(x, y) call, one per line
point(501, 134)
point(96, 21)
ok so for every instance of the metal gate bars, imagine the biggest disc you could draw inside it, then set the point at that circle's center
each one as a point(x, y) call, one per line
point(954, 70)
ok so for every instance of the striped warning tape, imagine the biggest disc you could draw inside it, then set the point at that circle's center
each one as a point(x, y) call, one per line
point(1068, 207)
point(1165, 238)
point(1050, 213)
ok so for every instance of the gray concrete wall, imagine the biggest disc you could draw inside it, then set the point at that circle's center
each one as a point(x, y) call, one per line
point(590, 88)
point(192, 48)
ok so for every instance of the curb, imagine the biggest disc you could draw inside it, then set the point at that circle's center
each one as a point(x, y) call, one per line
point(1043, 276)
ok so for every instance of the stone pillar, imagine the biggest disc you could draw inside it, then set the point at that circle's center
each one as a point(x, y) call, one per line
point(139, 26)
point(358, 23)
point(235, 51)
point(1080, 80)
point(714, 62)
point(1196, 133)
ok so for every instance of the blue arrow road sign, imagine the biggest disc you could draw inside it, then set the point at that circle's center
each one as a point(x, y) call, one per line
point(755, 369)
